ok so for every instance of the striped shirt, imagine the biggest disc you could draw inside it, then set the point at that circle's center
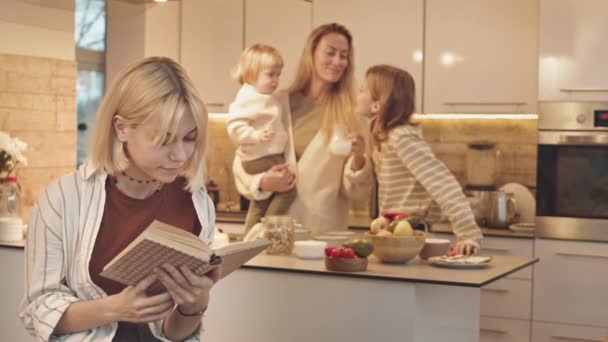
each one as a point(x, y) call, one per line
point(412, 180)
point(62, 230)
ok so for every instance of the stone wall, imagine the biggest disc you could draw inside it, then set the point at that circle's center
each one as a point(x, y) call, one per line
point(38, 105)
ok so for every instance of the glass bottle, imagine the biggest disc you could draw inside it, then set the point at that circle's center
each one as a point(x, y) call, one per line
point(10, 196)
point(11, 225)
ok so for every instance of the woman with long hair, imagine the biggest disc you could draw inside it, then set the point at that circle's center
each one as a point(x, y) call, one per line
point(318, 107)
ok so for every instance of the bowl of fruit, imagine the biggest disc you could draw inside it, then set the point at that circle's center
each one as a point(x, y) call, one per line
point(396, 241)
point(351, 257)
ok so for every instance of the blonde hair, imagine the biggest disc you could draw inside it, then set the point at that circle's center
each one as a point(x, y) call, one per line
point(253, 59)
point(395, 90)
point(154, 88)
point(340, 100)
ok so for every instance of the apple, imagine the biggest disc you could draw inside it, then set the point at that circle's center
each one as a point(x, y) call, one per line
point(403, 228)
point(378, 224)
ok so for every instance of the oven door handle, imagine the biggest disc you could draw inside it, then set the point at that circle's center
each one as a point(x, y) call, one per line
point(593, 139)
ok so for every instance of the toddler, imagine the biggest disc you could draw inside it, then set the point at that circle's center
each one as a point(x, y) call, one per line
point(255, 124)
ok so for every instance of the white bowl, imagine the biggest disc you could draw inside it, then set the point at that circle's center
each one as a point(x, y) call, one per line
point(309, 249)
point(435, 247)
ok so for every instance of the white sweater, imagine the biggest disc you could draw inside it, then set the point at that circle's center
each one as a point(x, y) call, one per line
point(412, 180)
point(248, 116)
point(62, 230)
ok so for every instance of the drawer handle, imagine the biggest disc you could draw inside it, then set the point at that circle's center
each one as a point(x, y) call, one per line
point(592, 256)
point(486, 103)
point(215, 104)
point(583, 90)
point(574, 339)
point(505, 250)
point(492, 331)
point(495, 290)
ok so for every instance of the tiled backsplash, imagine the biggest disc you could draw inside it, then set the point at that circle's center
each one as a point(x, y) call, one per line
point(515, 138)
point(38, 105)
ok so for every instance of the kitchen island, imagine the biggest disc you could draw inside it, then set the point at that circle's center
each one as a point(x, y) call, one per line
point(283, 298)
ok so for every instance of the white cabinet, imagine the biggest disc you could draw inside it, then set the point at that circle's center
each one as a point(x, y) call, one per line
point(384, 32)
point(284, 24)
point(570, 282)
point(546, 332)
point(481, 56)
point(211, 42)
point(573, 47)
point(508, 298)
point(503, 330)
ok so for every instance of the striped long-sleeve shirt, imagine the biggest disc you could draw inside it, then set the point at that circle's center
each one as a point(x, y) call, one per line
point(61, 235)
point(412, 180)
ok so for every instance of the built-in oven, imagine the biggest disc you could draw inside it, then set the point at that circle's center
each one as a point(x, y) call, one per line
point(572, 171)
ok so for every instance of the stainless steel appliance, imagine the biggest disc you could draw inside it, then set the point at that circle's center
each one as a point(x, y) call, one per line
point(482, 165)
point(493, 209)
point(572, 171)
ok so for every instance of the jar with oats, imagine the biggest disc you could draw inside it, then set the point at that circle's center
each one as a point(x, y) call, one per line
point(279, 229)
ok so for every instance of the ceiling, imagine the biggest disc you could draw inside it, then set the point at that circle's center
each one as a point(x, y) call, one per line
point(141, 2)
point(59, 4)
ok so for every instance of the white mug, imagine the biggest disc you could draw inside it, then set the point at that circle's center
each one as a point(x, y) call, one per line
point(339, 144)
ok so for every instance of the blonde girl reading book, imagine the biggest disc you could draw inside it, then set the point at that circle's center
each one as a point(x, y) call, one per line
point(147, 162)
point(255, 125)
point(410, 178)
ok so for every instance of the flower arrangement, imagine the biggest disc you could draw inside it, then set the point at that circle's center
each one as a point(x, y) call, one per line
point(11, 154)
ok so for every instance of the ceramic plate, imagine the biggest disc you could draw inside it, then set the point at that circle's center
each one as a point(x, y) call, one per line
point(341, 233)
point(443, 261)
point(524, 199)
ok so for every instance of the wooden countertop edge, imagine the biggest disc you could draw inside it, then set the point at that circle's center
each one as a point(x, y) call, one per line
point(361, 275)
point(367, 275)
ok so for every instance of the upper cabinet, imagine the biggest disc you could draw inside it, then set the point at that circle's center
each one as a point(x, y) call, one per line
point(284, 24)
point(466, 56)
point(573, 49)
point(211, 42)
point(214, 32)
point(384, 32)
point(481, 56)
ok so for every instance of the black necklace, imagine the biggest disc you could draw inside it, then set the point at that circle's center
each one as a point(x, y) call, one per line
point(115, 181)
point(137, 180)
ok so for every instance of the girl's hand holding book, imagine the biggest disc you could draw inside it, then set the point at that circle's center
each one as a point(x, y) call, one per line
point(133, 305)
point(189, 291)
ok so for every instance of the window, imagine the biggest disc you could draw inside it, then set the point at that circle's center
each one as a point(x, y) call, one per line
point(90, 39)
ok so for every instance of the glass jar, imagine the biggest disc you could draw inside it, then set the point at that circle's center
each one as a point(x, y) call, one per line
point(11, 225)
point(279, 230)
point(10, 197)
point(482, 164)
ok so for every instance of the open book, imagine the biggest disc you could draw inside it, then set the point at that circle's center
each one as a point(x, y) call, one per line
point(162, 243)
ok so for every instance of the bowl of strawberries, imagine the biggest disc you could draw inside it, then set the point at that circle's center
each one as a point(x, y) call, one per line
point(351, 257)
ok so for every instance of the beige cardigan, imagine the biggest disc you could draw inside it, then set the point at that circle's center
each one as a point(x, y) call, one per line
point(325, 182)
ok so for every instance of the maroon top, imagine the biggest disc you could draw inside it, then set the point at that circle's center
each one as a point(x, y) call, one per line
point(124, 218)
